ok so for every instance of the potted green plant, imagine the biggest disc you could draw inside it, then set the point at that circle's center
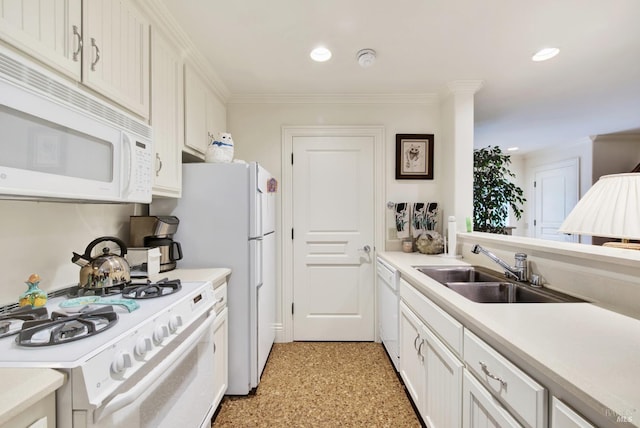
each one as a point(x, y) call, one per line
point(493, 190)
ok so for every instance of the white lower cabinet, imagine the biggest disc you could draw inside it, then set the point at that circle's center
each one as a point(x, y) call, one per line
point(481, 409)
point(431, 373)
point(524, 397)
point(562, 416)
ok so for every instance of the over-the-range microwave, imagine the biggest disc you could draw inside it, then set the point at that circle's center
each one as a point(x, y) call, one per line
point(58, 142)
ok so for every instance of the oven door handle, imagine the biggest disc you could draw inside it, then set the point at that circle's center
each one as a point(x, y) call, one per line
point(155, 375)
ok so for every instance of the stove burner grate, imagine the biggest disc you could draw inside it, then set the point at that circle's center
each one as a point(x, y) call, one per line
point(12, 321)
point(63, 328)
point(78, 291)
point(149, 290)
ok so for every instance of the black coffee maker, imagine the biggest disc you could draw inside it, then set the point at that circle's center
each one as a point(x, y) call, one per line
point(157, 232)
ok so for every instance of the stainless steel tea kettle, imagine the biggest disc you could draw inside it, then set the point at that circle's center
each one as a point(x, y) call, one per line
point(105, 270)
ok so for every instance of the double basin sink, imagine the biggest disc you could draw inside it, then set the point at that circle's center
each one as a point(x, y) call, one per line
point(482, 285)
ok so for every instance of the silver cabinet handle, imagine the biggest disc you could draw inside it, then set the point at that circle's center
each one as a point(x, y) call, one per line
point(220, 300)
point(159, 164)
point(420, 351)
point(95, 46)
point(414, 342)
point(79, 38)
point(366, 249)
point(486, 371)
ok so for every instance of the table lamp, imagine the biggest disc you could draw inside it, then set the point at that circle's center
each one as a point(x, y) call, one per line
point(610, 208)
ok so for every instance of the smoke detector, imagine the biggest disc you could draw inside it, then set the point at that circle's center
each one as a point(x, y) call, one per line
point(366, 57)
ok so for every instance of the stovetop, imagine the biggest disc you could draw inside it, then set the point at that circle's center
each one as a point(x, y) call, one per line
point(74, 353)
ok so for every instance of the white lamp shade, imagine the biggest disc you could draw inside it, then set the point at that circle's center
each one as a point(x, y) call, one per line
point(611, 208)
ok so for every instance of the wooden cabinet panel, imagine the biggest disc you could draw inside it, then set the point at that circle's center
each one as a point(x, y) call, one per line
point(116, 53)
point(49, 30)
point(167, 117)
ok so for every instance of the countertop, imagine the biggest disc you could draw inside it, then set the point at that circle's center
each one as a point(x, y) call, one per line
point(587, 351)
point(24, 387)
point(21, 388)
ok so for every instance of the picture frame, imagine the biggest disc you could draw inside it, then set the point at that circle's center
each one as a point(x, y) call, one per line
point(414, 156)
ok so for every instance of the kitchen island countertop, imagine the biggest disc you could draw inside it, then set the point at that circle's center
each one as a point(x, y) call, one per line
point(581, 349)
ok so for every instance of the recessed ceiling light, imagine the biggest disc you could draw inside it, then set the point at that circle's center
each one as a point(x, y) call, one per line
point(320, 54)
point(545, 54)
point(513, 149)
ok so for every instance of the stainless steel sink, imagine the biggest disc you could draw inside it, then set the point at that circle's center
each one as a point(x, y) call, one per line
point(482, 285)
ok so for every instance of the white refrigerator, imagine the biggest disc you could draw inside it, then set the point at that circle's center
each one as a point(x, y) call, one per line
point(227, 219)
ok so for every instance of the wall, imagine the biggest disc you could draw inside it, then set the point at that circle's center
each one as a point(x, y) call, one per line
point(257, 129)
point(615, 153)
point(40, 237)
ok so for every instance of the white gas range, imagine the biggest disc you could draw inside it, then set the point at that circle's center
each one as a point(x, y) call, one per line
point(152, 368)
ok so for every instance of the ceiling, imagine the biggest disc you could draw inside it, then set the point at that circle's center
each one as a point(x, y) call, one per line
point(260, 47)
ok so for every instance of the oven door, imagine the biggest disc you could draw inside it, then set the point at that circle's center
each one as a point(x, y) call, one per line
point(177, 391)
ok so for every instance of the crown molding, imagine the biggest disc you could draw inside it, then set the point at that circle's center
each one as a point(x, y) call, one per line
point(160, 16)
point(334, 99)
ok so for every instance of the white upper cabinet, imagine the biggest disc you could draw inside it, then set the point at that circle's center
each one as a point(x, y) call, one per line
point(116, 53)
point(205, 114)
point(167, 107)
point(50, 30)
point(102, 43)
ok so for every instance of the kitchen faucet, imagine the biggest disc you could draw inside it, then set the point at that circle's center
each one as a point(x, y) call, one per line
point(519, 272)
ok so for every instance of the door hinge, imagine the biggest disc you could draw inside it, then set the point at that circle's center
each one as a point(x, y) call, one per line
point(292, 233)
point(535, 222)
point(291, 158)
point(291, 308)
point(534, 184)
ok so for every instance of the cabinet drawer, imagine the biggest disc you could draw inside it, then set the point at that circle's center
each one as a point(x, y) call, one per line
point(524, 396)
point(443, 324)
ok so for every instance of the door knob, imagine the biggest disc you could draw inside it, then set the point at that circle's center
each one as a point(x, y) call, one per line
point(366, 249)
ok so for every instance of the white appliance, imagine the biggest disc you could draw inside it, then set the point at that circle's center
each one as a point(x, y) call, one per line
point(388, 309)
point(227, 219)
point(60, 143)
point(153, 368)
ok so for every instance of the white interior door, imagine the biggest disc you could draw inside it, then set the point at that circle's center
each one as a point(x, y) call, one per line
point(555, 195)
point(333, 220)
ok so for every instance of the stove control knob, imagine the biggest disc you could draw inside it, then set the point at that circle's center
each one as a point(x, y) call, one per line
point(160, 333)
point(174, 323)
point(121, 362)
point(143, 345)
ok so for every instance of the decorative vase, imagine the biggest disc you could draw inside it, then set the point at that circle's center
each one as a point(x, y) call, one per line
point(34, 296)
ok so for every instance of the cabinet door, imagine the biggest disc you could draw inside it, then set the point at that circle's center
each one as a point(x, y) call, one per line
point(167, 117)
point(116, 53)
point(562, 416)
point(443, 389)
point(196, 132)
point(411, 361)
point(480, 409)
point(220, 350)
point(49, 30)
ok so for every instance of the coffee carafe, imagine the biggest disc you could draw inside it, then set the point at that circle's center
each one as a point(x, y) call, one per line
point(157, 232)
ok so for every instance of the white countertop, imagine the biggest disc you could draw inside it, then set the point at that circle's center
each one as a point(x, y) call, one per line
point(21, 388)
point(591, 352)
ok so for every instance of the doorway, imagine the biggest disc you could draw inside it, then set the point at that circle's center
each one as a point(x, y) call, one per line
point(332, 202)
point(555, 194)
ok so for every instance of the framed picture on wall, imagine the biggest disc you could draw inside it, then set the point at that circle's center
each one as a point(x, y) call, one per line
point(414, 156)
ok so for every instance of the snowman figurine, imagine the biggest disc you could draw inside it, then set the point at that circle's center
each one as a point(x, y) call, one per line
point(220, 150)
